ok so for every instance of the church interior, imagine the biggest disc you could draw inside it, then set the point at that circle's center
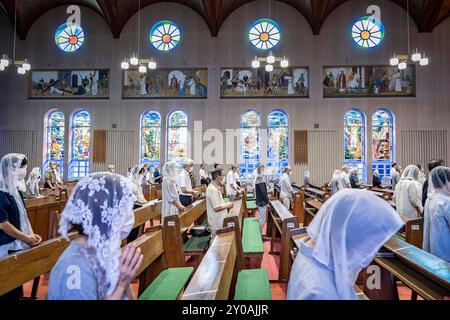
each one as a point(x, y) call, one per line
point(224, 150)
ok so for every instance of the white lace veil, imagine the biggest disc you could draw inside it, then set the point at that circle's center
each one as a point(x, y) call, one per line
point(170, 170)
point(102, 204)
point(411, 172)
point(439, 182)
point(348, 231)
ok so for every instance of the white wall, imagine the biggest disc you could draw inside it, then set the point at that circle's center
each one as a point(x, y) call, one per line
point(429, 110)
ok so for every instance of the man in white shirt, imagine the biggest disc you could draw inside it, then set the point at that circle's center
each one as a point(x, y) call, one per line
point(185, 184)
point(286, 188)
point(346, 176)
point(232, 188)
point(202, 175)
point(216, 208)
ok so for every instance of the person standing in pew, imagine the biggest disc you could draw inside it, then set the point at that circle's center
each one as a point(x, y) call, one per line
point(346, 176)
point(216, 208)
point(306, 179)
point(157, 175)
point(395, 175)
point(136, 174)
point(171, 199)
point(16, 233)
point(262, 197)
point(202, 175)
point(337, 182)
point(354, 180)
point(431, 165)
point(286, 188)
point(93, 267)
point(343, 238)
point(50, 177)
point(376, 181)
point(185, 184)
point(232, 187)
point(407, 194)
point(436, 227)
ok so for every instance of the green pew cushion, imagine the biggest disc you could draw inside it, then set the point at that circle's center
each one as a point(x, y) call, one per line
point(252, 284)
point(251, 236)
point(168, 285)
point(196, 244)
point(251, 205)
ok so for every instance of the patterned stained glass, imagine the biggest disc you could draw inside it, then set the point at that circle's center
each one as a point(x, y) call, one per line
point(250, 141)
point(354, 137)
point(69, 37)
point(264, 34)
point(278, 133)
point(55, 139)
point(165, 35)
point(81, 135)
point(151, 138)
point(382, 142)
point(368, 32)
point(177, 136)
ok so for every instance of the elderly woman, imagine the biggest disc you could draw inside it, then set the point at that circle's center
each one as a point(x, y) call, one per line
point(436, 228)
point(32, 184)
point(171, 204)
point(93, 266)
point(376, 181)
point(408, 194)
point(344, 238)
point(306, 179)
point(16, 232)
point(337, 182)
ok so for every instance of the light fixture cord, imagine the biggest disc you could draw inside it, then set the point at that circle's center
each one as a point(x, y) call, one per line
point(270, 16)
point(407, 19)
point(139, 29)
point(15, 30)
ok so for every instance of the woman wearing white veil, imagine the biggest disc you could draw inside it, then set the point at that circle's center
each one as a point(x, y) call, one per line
point(33, 183)
point(344, 238)
point(136, 179)
point(436, 228)
point(93, 267)
point(171, 199)
point(408, 194)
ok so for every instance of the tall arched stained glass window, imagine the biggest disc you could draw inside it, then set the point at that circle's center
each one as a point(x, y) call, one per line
point(151, 138)
point(277, 147)
point(250, 141)
point(54, 140)
point(177, 136)
point(354, 141)
point(80, 148)
point(382, 142)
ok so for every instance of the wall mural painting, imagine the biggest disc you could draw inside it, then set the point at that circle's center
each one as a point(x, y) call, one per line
point(368, 81)
point(292, 82)
point(165, 83)
point(69, 84)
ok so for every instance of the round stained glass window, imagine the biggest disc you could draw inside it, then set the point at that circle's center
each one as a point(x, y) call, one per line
point(368, 32)
point(165, 35)
point(69, 37)
point(264, 34)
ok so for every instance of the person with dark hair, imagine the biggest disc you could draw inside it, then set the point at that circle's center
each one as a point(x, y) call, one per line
point(101, 210)
point(422, 177)
point(431, 165)
point(216, 208)
point(395, 175)
point(262, 198)
point(436, 225)
point(16, 233)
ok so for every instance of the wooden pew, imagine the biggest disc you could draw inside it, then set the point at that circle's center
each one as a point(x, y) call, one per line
point(425, 274)
point(219, 276)
point(317, 193)
point(281, 221)
point(17, 269)
point(248, 235)
point(174, 229)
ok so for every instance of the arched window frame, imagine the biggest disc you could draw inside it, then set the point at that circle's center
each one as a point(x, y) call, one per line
point(54, 131)
point(156, 143)
point(361, 164)
point(249, 163)
point(384, 165)
point(79, 166)
point(274, 161)
point(171, 128)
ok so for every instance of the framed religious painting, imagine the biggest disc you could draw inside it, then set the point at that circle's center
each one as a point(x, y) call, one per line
point(368, 81)
point(69, 84)
point(243, 83)
point(181, 83)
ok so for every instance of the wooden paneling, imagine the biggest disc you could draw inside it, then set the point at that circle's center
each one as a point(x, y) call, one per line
point(99, 155)
point(301, 147)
